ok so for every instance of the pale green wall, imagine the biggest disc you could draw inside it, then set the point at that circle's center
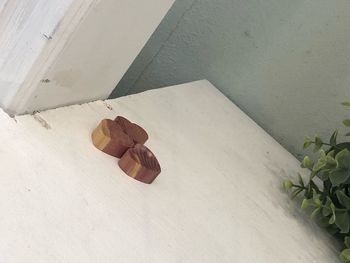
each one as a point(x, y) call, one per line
point(285, 63)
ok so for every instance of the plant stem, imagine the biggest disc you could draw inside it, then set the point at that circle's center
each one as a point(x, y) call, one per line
point(328, 144)
point(299, 186)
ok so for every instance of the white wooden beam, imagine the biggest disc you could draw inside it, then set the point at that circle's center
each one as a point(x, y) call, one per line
point(80, 56)
point(23, 27)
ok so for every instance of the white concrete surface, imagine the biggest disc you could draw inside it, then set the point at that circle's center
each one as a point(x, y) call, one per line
point(218, 198)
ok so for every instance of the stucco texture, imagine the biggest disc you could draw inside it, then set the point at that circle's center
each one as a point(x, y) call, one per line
point(285, 63)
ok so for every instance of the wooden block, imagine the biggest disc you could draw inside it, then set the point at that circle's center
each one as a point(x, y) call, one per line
point(110, 138)
point(137, 133)
point(140, 163)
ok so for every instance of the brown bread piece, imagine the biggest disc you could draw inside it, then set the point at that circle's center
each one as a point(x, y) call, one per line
point(110, 138)
point(140, 163)
point(137, 133)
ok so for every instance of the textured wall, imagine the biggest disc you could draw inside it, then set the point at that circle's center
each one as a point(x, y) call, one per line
point(285, 63)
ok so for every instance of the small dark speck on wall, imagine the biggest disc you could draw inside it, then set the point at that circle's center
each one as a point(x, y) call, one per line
point(47, 37)
point(247, 34)
point(45, 80)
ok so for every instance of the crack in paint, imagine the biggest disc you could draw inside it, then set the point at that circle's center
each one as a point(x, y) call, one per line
point(41, 120)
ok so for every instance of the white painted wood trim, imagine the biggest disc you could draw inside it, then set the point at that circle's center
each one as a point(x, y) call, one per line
point(87, 53)
point(24, 28)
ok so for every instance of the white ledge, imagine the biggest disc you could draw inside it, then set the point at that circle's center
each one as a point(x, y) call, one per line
point(218, 198)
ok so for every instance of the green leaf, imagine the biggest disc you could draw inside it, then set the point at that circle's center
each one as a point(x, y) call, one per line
point(333, 139)
point(331, 153)
point(287, 184)
point(331, 162)
point(318, 143)
point(338, 176)
point(342, 221)
point(305, 204)
point(342, 259)
point(323, 175)
point(345, 255)
point(319, 165)
point(316, 198)
point(346, 103)
point(344, 200)
point(321, 162)
point(307, 163)
point(346, 122)
point(332, 219)
point(315, 212)
point(318, 140)
point(343, 159)
point(326, 211)
point(324, 166)
point(307, 142)
point(347, 242)
point(323, 154)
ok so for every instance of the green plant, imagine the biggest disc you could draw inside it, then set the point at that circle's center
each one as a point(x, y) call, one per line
point(326, 193)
